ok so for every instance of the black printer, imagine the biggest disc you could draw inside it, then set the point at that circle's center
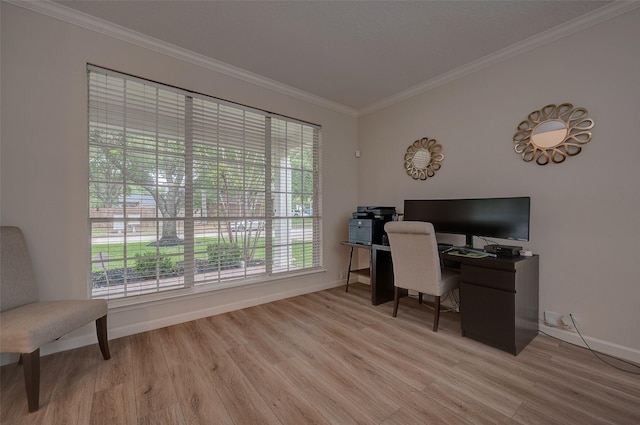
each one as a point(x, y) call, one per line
point(366, 226)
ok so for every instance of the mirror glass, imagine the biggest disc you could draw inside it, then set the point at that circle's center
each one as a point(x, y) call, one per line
point(549, 133)
point(421, 159)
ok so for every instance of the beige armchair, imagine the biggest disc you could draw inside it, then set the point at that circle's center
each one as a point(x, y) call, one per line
point(26, 324)
point(416, 263)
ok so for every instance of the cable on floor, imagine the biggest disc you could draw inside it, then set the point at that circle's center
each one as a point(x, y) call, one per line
point(596, 353)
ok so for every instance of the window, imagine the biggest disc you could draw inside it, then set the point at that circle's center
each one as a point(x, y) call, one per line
point(188, 190)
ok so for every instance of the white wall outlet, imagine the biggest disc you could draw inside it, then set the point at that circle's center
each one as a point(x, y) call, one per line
point(343, 274)
point(551, 318)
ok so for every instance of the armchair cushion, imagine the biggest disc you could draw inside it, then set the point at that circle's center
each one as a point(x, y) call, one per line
point(26, 328)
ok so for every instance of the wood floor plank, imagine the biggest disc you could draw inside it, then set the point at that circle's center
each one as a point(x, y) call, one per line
point(229, 329)
point(503, 401)
point(69, 403)
point(264, 341)
point(313, 385)
point(284, 400)
point(384, 360)
point(241, 400)
point(325, 358)
point(175, 342)
point(151, 378)
point(114, 405)
point(587, 397)
point(197, 395)
point(344, 379)
point(418, 407)
point(117, 370)
point(170, 415)
point(461, 402)
point(535, 414)
point(206, 340)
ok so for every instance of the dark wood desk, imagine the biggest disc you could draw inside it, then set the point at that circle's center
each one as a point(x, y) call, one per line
point(498, 296)
point(499, 300)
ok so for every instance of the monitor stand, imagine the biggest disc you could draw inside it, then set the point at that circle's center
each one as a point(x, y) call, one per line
point(468, 241)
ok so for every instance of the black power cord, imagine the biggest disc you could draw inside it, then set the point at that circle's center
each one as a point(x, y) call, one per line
point(597, 354)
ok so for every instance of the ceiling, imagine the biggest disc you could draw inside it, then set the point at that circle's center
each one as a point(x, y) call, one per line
point(352, 53)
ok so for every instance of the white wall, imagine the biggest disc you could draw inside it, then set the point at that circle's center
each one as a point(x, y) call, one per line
point(585, 212)
point(44, 169)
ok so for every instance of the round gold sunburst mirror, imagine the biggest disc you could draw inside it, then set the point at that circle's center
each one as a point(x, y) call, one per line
point(423, 158)
point(553, 133)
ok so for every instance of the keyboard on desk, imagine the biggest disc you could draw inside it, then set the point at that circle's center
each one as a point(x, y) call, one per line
point(468, 252)
point(442, 247)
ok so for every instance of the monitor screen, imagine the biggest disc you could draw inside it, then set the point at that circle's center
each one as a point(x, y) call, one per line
point(504, 218)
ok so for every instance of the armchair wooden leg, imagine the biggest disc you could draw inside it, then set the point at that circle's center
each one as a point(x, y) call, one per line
point(101, 330)
point(396, 300)
point(419, 297)
point(31, 362)
point(436, 314)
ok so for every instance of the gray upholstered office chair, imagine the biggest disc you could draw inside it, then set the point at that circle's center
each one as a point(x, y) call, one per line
point(416, 263)
point(26, 324)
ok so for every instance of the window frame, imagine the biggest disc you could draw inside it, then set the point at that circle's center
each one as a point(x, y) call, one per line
point(273, 141)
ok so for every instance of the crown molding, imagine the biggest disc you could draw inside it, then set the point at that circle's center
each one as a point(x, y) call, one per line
point(74, 17)
point(578, 24)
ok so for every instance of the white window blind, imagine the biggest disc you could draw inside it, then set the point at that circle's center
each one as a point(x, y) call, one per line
point(188, 190)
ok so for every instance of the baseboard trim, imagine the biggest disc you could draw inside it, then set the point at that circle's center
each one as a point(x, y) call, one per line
point(604, 347)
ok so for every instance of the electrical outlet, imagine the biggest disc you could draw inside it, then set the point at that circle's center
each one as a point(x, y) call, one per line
point(343, 274)
point(551, 318)
point(559, 320)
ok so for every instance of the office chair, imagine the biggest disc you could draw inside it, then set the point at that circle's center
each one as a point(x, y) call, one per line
point(416, 263)
point(26, 324)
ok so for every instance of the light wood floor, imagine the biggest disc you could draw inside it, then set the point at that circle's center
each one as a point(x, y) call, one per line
point(323, 358)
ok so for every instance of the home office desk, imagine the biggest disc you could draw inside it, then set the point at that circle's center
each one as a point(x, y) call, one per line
point(498, 296)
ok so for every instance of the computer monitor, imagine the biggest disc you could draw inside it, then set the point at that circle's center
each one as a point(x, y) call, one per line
point(504, 218)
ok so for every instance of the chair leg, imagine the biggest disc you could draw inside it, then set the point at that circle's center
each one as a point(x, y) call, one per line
point(396, 300)
point(436, 314)
point(101, 330)
point(31, 362)
point(419, 297)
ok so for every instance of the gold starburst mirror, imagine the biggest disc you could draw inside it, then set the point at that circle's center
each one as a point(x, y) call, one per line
point(423, 158)
point(553, 133)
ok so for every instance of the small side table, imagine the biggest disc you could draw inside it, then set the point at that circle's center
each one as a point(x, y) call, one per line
point(380, 271)
point(366, 272)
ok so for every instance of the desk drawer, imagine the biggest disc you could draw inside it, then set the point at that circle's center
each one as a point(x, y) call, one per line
point(488, 315)
point(490, 278)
